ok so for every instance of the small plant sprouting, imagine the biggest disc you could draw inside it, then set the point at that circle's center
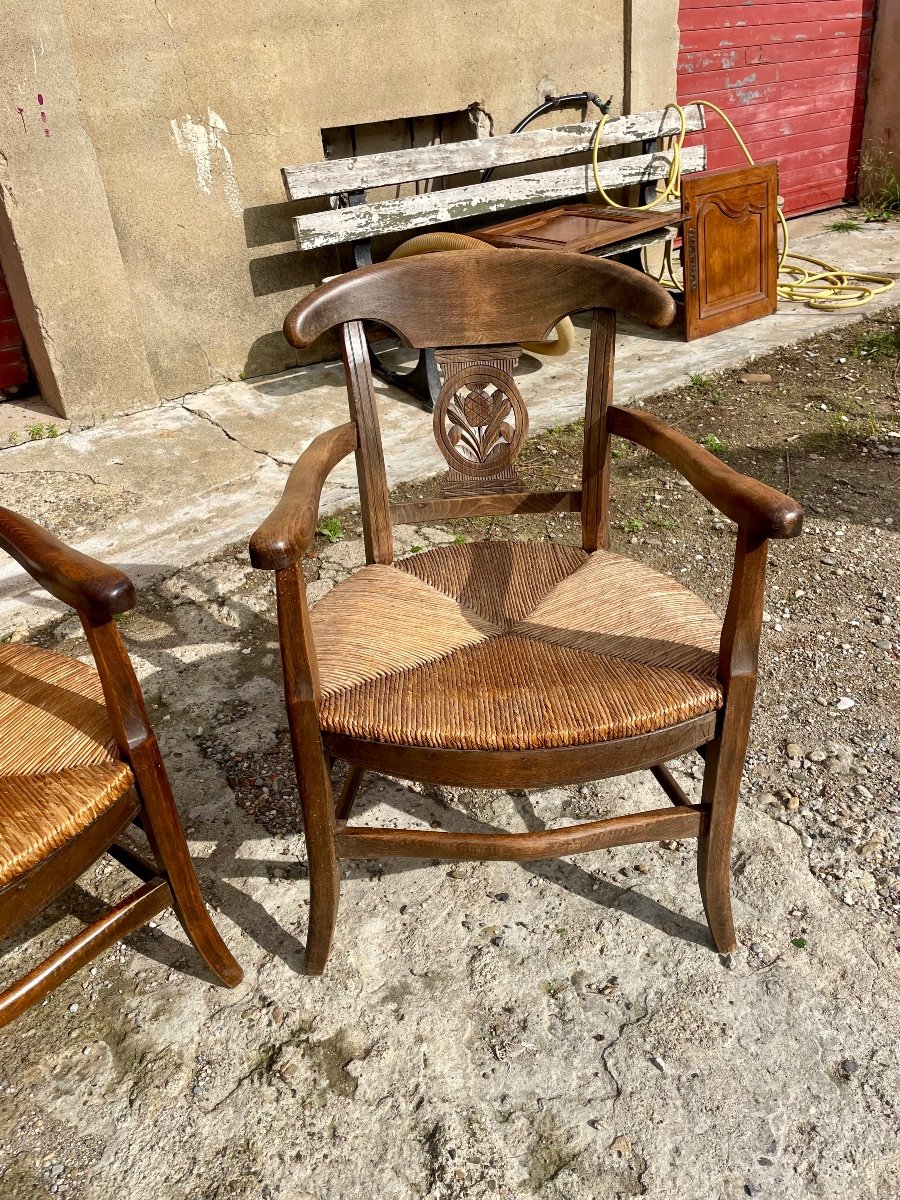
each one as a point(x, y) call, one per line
point(843, 226)
point(332, 529)
point(714, 444)
point(52, 431)
point(883, 343)
point(36, 431)
point(699, 380)
point(632, 525)
point(416, 549)
point(621, 451)
point(459, 539)
point(799, 942)
point(14, 438)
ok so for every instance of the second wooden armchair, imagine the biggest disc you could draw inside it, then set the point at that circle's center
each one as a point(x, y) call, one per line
point(519, 664)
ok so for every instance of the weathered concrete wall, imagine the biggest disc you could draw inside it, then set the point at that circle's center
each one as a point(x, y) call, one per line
point(881, 133)
point(187, 111)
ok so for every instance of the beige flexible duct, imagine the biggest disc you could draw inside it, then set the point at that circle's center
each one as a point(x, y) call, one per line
point(431, 243)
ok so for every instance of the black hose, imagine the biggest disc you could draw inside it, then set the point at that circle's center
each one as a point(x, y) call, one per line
point(549, 103)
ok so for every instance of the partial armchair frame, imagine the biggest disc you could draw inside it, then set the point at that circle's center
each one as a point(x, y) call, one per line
point(473, 300)
point(99, 593)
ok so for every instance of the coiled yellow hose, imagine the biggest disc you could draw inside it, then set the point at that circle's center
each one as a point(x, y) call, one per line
point(829, 289)
point(432, 243)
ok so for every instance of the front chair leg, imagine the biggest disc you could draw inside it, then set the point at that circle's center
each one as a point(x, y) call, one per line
point(721, 790)
point(317, 801)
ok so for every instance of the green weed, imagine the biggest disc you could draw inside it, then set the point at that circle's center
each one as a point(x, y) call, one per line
point(843, 226)
point(332, 529)
point(14, 438)
point(713, 444)
point(884, 343)
point(36, 431)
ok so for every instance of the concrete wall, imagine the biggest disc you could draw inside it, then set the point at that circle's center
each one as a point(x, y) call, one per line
point(151, 223)
point(881, 132)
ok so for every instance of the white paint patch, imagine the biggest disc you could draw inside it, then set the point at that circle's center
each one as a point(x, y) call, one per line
point(203, 142)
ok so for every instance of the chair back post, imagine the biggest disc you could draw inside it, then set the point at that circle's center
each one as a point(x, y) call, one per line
point(596, 463)
point(370, 469)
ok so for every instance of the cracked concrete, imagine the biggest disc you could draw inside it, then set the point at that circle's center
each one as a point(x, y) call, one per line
point(201, 472)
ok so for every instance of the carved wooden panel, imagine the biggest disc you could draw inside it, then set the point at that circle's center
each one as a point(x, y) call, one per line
point(729, 248)
point(480, 419)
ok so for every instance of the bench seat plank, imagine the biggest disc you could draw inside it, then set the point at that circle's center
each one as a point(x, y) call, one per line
point(334, 176)
point(314, 230)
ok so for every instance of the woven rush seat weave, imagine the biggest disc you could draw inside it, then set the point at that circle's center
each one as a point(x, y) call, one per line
point(512, 646)
point(58, 766)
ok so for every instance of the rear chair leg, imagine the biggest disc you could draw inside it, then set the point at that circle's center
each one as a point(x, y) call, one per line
point(347, 797)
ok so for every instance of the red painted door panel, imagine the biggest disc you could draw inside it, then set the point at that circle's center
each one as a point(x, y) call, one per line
point(13, 367)
point(792, 78)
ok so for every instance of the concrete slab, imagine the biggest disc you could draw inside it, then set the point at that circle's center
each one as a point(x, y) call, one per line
point(173, 485)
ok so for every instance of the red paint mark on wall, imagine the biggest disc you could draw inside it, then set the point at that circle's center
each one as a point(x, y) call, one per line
point(44, 121)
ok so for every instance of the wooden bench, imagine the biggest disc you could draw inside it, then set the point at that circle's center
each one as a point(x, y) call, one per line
point(353, 220)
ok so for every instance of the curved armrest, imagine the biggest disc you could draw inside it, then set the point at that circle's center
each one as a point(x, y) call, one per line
point(754, 506)
point(287, 531)
point(91, 587)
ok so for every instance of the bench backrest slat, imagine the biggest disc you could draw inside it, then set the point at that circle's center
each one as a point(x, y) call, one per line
point(334, 176)
point(315, 230)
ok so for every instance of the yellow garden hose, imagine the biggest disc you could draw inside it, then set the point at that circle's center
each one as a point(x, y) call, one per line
point(431, 243)
point(828, 289)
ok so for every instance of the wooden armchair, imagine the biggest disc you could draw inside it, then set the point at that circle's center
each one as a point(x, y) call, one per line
point(78, 763)
point(520, 664)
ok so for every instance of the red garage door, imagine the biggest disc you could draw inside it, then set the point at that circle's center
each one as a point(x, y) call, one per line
point(792, 78)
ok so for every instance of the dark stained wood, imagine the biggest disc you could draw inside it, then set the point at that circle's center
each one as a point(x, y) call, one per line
point(129, 914)
point(373, 489)
point(670, 785)
point(522, 294)
point(524, 768)
point(595, 469)
point(285, 535)
point(97, 592)
point(739, 656)
point(344, 806)
point(89, 586)
point(301, 689)
point(576, 228)
point(415, 512)
point(729, 247)
point(753, 505)
point(649, 826)
point(474, 300)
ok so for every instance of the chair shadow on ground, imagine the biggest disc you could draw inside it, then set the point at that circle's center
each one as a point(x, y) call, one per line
point(430, 809)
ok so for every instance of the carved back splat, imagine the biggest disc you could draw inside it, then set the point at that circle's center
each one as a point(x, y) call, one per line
point(480, 419)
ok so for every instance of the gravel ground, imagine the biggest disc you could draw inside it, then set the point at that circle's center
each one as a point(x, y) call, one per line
point(558, 1030)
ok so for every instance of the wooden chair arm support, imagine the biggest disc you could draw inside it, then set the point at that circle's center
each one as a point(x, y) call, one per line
point(755, 507)
point(285, 535)
point(96, 590)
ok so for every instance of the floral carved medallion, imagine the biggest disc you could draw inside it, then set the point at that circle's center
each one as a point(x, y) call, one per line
point(480, 419)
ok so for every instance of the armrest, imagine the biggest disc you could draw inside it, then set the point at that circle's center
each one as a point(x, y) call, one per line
point(761, 510)
point(91, 587)
point(285, 535)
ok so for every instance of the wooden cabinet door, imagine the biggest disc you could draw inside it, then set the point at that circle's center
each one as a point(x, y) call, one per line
point(729, 248)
